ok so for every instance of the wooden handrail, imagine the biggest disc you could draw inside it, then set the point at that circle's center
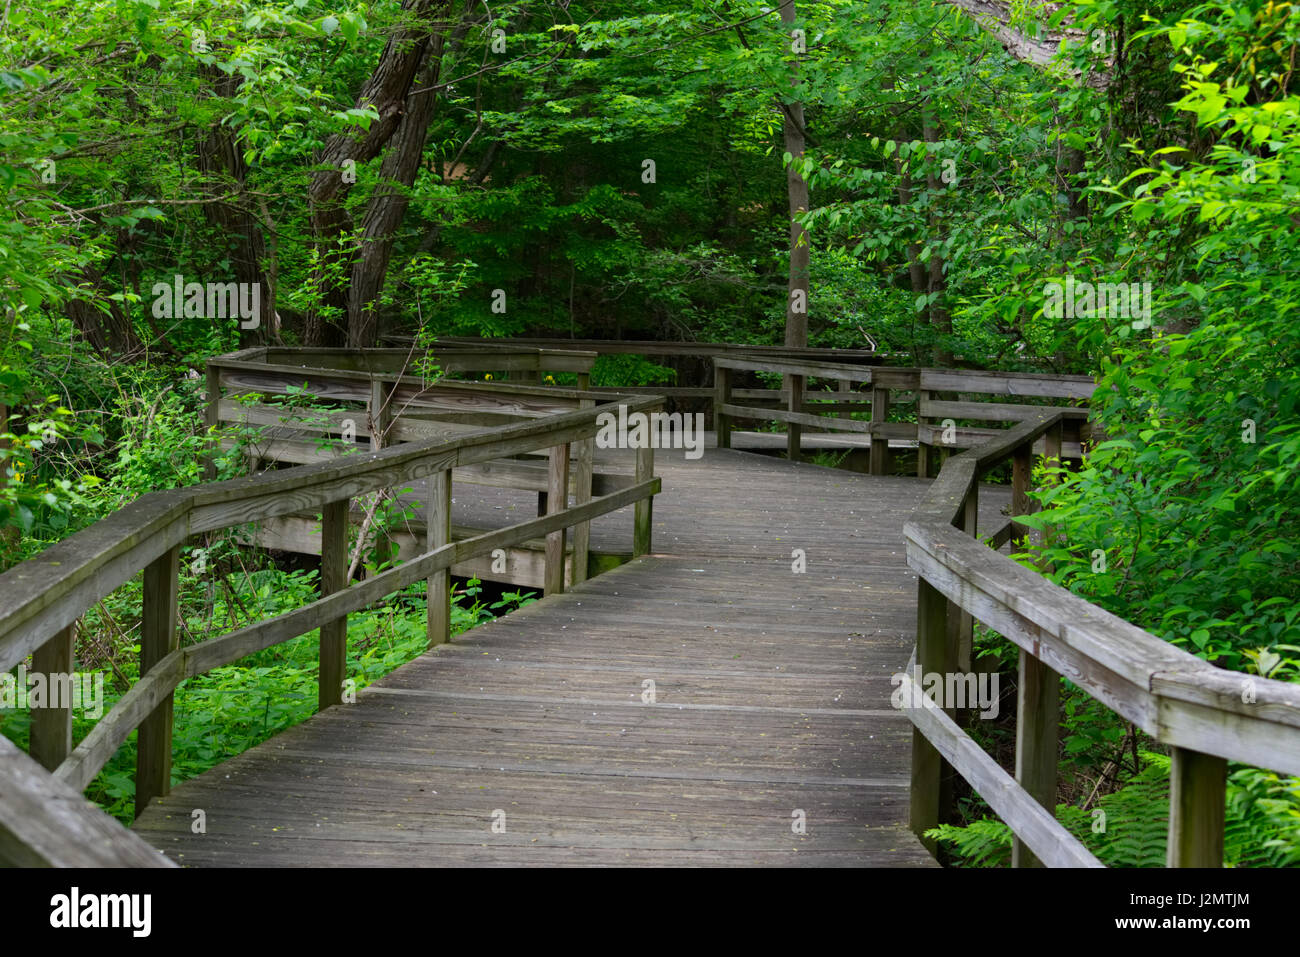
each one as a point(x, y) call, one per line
point(44, 595)
point(45, 823)
point(53, 589)
point(1207, 715)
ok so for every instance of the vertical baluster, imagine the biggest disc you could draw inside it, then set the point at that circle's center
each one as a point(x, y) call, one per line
point(586, 451)
point(211, 420)
point(922, 447)
point(333, 578)
point(721, 397)
point(51, 732)
point(153, 767)
point(1197, 797)
point(643, 511)
point(879, 415)
point(928, 794)
point(966, 623)
point(1021, 468)
point(1037, 739)
point(437, 517)
point(558, 501)
point(794, 403)
point(380, 412)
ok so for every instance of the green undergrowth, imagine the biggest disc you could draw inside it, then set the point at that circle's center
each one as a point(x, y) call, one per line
point(230, 709)
point(1128, 827)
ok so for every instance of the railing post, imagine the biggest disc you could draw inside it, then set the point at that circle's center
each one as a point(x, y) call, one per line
point(211, 420)
point(922, 447)
point(643, 511)
point(51, 733)
point(153, 762)
point(1197, 795)
point(879, 414)
point(581, 496)
point(794, 403)
point(557, 501)
point(1021, 469)
point(379, 411)
point(965, 621)
point(721, 397)
point(437, 519)
point(1038, 722)
point(928, 804)
point(333, 578)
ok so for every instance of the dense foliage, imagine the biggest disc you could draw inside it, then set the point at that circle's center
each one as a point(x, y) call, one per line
point(619, 170)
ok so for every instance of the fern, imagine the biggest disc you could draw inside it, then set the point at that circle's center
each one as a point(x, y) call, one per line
point(1129, 828)
point(985, 843)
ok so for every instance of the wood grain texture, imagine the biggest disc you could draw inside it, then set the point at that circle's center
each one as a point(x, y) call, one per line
point(772, 695)
point(45, 823)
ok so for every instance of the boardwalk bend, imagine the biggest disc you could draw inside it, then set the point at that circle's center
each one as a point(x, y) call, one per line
point(709, 687)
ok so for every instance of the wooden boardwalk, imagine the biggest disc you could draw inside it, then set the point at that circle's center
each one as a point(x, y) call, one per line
point(771, 705)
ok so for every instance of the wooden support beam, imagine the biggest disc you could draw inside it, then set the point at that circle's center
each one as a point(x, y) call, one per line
point(51, 731)
point(558, 501)
point(153, 763)
point(211, 419)
point(379, 412)
point(586, 452)
point(879, 443)
point(721, 398)
point(1021, 470)
point(966, 622)
point(1038, 721)
point(333, 578)
point(794, 386)
point(437, 517)
point(1197, 798)
point(928, 767)
point(643, 511)
point(922, 445)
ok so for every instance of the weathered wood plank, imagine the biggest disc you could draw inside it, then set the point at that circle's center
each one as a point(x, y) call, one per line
point(438, 534)
point(333, 580)
point(557, 501)
point(1008, 383)
point(1197, 798)
point(1037, 742)
point(51, 730)
point(153, 766)
point(45, 823)
point(1046, 837)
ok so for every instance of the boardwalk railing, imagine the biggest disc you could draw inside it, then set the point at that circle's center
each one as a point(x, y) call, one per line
point(882, 388)
point(1205, 715)
point(41, 599)
point(376, 400)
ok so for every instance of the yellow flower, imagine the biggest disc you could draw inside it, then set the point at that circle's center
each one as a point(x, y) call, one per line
point(487, 376)
point(550, 379)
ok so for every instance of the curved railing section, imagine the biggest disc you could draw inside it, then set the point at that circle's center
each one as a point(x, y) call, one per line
point(1204, 714)
point(43, 819)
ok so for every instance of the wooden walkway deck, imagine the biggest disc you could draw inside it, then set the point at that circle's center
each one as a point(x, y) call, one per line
point(771, 698)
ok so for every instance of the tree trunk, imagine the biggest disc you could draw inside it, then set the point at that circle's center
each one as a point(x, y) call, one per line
point(110, 333)
point(221, 159)
point(386, 91)
point(387, 207)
